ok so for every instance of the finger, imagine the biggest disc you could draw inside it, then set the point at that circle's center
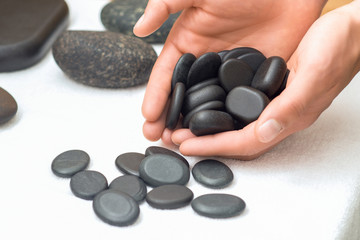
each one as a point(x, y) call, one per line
point(181, 135)
point(154, 130)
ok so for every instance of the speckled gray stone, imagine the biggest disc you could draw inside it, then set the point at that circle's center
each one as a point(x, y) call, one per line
point(86, 184)
point(161, 150)
point(169, 197)
point(129, 162)
point(104, 59)
point(70, 162)
point(8, 106)
point(212, 173)
point(130, 184)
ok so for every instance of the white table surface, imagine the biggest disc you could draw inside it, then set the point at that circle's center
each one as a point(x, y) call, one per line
point(305, 188)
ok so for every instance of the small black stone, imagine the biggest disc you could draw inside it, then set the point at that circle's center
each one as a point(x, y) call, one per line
point(253, 59)
point(200, 85)
point(8, 106)
point(130, 184)
point(161, 150)
point(169, 197)
point(182, 68)
point(70, 162)
point(234, 73)
point(86, 184)
point(236, 52)
point(212, 173)
point(129, 163)
point(175, 106)
point(218, 205)
point(283, 84)
point(223, 53)
point(210, 122)
point(116, 208)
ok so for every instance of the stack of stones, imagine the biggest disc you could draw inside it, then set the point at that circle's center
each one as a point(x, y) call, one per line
point(165, 171)
point(224, 91)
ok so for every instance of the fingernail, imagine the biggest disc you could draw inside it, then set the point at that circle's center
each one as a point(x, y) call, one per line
point(269, 130)
point(141, 19)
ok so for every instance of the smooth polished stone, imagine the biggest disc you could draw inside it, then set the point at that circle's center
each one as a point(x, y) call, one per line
point(104, 59)
point(176, 103)
point(160, 169)
point(203, 95)
point(205, 67)
point(210, 122)
point(28, 30)
point(200, 85)
point(212, 105)
point(223, 53)
point(212, 173)
point(270, 75)
point(169, 197)
point(236, 52)
point(116, 208)
point(253, 59)
point(234, 73)
point(70, 162)
point(129, 162)
point(161, 150)
point(130, 184)
point(8, 106)
point(283, 84)
point(218, 205)
point(246, 104)
point(182, 69)
point(86, 184)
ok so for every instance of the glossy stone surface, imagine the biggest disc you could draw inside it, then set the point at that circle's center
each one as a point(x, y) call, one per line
point(182, 69)
point(161, 150)
point(176, 103)
point(86, 184)
point(70, 162)
point(210, 122)
point(205, 67)
point(28, 29)
point(246, 104)
point(218, 205)
point(116, 208)
point(283, 84)
point(223, 53)
point(253, 59)
point(160, 169)
point(236, 52)
point(104, 59)
point(169, 197)
point(212, 173)
point(129, 162)
point(234, 73)
point(130, 184)
point(8, 106)
point(270, 75)
point(200, 85)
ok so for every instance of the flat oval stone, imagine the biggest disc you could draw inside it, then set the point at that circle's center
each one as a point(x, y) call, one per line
point(234, 73)
point(169, 197)
point(246, 104)
point(253, 59)
point(283, 84)
point(270, 75)
point(116, 208)
point(182, 69)
point(200, 85)
point(210, 122)
point(175, 106)
point(203, 95)
point(130, 184)
point(161, 150)
point(70, 162)
point(205, 67)
point(160, 169)
point(129, 162)
point(8, 106)
point(223, 53)
point(218, 205)
point(104, 59)
point(86, 184)
point(212, 173)
point(236, 52)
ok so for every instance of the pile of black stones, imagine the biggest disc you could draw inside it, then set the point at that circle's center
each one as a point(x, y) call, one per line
point(162, 169)
point(223, 91)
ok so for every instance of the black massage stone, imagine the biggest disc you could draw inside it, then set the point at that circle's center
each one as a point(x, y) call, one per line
point(223, 53)
point(130, 184)
point(161, 169)
point(270, 75)
point(200, 85)
point(212, 173)
point(182, 69)
point(283, 84)
point(175, 106)
point(210, 122)
point(246, 104)
point(129, 163)
point(116, 208)
point(205, 67)
point(234, 73)
point(218, 205)
point(169, 197)
point(8, 106)
point(28, 30)
point(70, 162)
point(236, 52)
point(86, 184)
point(161, 150)
point(253, 59)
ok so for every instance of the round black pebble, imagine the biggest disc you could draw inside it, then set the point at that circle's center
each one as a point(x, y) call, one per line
point(200, 85)
point(212, 173)
point(253, 59)
point(161, 169)
point(116, 208)
point(86, 184)
point(236, 52)
point(176, 103)
point(169, 197)
point(218, 205)
point(130, 184)
point(8, 106)
point(223, 53)
point(182, 69)
point(129, 163)
point(70, 162)
point(161, 150)
point(283, 84)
